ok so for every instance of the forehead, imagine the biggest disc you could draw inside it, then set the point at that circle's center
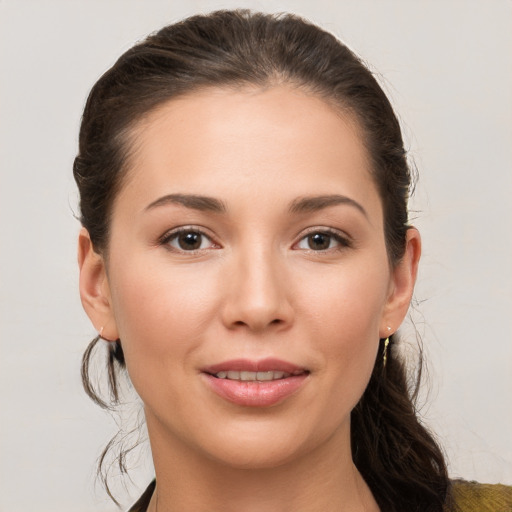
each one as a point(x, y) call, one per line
point(254, 142)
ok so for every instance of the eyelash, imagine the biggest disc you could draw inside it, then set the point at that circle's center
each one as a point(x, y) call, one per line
point(175, 233)
point(342, 241)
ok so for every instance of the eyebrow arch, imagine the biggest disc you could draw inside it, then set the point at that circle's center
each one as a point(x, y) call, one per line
point(315, 203)
point(195, 202)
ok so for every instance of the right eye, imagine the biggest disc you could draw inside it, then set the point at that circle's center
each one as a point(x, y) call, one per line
point(188, 240)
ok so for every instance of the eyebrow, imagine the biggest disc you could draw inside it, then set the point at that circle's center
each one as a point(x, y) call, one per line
point(300, 205)
point(315, 203)
point(202, 203)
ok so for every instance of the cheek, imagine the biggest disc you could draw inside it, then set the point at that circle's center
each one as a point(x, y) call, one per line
point(346, 316)
point(160, 314)
point(347, 302)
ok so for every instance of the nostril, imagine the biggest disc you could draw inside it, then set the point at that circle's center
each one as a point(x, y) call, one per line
point(252, 325)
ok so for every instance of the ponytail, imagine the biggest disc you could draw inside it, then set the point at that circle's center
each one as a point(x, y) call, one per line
point(397, 455)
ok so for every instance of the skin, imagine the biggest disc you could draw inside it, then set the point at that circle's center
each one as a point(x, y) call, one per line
point(255, 288)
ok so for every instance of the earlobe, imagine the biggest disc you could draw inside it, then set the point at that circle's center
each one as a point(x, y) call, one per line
point(94, 287)
point(402, 286)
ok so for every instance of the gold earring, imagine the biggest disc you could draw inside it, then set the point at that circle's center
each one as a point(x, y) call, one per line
point(101, 334)
point(385, 352)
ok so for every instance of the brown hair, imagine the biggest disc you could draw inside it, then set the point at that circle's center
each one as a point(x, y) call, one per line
point(396, 455)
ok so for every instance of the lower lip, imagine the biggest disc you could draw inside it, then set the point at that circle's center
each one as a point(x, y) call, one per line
point(255, 393)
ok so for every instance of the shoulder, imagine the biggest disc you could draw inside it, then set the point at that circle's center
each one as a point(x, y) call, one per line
point(467, 497)
point(476, 497)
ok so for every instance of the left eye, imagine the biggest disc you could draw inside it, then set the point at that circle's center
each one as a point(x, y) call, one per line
point(188, 240)
point(321, 241)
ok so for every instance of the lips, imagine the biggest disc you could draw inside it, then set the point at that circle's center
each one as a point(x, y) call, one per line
point(263, 365)
point(252, 376)
point(255, 383)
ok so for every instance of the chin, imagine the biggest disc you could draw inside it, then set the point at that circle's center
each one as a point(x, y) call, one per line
point(256, 455)
point(266, 447)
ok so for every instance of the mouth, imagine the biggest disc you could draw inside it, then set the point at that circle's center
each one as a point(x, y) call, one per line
point(247, 376)
point(255, 383)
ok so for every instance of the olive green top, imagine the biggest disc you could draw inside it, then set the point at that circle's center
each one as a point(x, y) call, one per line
point(467, 497)
point(475, 497)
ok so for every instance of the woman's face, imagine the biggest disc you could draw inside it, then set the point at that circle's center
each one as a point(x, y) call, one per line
point(247, 274)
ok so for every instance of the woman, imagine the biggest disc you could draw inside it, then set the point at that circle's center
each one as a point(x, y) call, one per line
point(246, 254)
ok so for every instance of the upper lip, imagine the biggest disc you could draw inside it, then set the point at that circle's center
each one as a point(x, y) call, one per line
point(262, 365)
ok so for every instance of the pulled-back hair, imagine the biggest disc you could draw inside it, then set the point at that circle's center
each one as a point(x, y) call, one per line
point(396, 455)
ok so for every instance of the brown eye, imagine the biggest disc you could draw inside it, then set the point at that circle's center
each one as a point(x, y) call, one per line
point(323, 241)
point(188, 240)
point(319, 241)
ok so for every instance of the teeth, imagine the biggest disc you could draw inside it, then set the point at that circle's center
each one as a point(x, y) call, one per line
point(253, 376)
point(268, 375)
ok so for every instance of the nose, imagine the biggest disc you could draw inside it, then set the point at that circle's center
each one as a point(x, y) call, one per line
point(259, 294)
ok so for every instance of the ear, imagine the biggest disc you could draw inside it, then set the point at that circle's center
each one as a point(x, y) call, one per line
point(403, 279)
point(95, 289)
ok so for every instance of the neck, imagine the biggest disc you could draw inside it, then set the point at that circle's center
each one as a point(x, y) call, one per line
point(325, 479)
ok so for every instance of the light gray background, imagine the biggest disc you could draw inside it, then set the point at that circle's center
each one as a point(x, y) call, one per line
point(447, 67)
